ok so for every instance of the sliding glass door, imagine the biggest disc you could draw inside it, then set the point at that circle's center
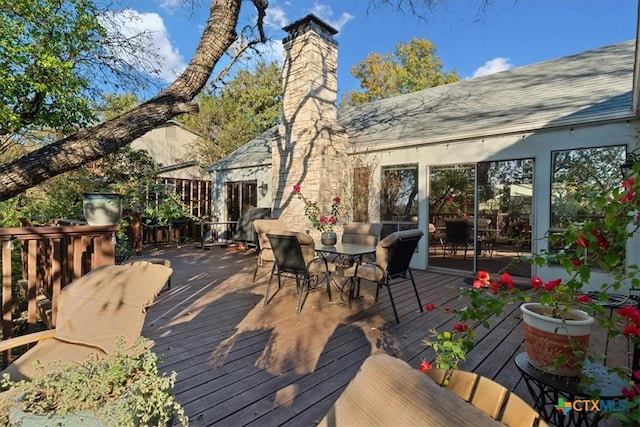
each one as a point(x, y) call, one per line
point(480, 216)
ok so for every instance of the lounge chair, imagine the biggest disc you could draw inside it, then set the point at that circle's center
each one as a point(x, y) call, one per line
point(93, 311)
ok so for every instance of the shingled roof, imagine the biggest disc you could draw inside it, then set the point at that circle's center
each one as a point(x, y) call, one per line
point(591, 86)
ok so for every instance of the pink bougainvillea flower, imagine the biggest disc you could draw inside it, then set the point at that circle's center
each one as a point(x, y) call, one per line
point(584, 298)
point(536, 282)
point(430, 307)
point(425, 366)
point(296, 188)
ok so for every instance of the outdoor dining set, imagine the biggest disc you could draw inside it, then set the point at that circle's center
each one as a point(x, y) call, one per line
point(359, 255)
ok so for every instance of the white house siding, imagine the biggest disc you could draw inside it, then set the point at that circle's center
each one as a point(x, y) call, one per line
point(537, 145)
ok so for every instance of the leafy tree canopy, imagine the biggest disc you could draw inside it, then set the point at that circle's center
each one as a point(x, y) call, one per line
point(246, 106)
point(411, 67)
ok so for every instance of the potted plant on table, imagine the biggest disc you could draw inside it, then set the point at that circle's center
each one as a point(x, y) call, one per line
point(324, 223)
point(124, 388)
point(582, 247)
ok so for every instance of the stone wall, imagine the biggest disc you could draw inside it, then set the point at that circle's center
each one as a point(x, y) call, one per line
point(311, 150)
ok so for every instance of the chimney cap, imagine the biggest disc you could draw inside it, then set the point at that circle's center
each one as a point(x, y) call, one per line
point(310, 19)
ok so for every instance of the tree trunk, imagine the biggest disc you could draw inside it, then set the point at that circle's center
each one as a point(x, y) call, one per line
point(106, 138)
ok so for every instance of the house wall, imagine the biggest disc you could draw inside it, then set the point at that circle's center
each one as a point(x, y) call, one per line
point(169, 145)
point(260, 174)
point(537, 145)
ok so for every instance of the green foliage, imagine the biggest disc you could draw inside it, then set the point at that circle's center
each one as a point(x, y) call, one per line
point(120, 389)
point(413, 66)
point(244, 108)
point(43, 46)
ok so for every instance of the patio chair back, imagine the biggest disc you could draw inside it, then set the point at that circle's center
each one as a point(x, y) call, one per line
point(362, 233)
point(394, 252)
point(457, 234)
point(294, 255)
point(287, 252)
point(265, 253)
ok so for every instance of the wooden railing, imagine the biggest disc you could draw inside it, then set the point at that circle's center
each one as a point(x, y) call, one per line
point(52, 257)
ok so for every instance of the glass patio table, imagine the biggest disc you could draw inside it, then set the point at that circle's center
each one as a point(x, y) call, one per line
point(350, 253)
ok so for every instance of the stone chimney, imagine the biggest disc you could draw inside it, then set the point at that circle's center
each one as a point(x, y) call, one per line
point(311, 150)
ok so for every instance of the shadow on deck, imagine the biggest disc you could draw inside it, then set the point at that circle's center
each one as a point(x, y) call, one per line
point(239, 363)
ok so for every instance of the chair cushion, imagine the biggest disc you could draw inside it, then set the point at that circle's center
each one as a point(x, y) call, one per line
point(365, 271)
point(386, 391)
point(52, 355)
point(363, 233)
point(107, 302)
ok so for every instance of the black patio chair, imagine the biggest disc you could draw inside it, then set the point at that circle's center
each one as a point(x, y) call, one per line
point(393, 255)
point(457, 235)
point(294, 255)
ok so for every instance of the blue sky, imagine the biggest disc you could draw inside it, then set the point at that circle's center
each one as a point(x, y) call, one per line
point(507, 34)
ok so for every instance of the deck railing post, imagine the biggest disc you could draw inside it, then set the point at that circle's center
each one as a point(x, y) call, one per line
point(51, 258)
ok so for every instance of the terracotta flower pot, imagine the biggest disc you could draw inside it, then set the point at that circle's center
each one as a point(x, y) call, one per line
point(547, 339)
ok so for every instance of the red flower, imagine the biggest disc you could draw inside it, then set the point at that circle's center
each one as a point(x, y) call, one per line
point(336, 199)
point(552, 284)
point(627, 184)
point(536, 282)
point(576, 262)
point(448, 310)
point(333, 219)
point(425, 366)
point(460, 327)
point(296, 188)
point(629, 330)
point(494, 287)
point(484, 276)
point(636, 374)
point(629, 392)
point(479, 284)
point(506, 279)
point(430, 307)
point(323, 219)
point(581, 241)
point(584, 298)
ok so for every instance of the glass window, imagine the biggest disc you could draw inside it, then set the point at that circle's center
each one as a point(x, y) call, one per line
point(576, 176)
point(399, 198)
point(399, 193)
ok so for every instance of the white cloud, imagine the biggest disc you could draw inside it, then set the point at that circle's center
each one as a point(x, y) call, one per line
point(166, 59)
point(276, 18)
point(493, 66)
point(325, 13)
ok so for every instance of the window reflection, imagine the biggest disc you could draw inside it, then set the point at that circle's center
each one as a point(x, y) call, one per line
point(399, 198)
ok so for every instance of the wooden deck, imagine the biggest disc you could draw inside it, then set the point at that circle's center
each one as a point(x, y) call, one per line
point(239, 363)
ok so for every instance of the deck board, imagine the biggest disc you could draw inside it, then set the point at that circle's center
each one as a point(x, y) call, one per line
point(239, 363)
